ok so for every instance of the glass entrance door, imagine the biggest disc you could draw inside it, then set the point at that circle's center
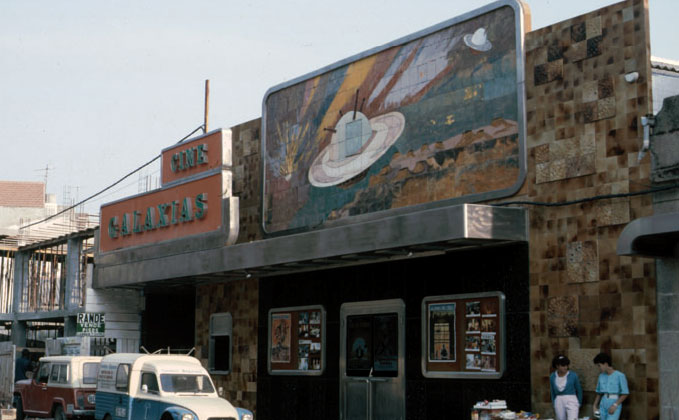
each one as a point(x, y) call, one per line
point(372, 360)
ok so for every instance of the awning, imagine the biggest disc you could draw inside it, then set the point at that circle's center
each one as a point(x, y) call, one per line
point(653, 236)
point(423, 233)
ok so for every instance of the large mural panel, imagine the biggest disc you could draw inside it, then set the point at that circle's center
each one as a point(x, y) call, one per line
point(434, 118)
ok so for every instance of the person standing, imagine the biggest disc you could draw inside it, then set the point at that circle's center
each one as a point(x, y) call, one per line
point(565, 389)
point(23, 365)
point(611, 389)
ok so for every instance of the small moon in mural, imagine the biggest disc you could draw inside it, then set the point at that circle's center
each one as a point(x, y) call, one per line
point(478, 40)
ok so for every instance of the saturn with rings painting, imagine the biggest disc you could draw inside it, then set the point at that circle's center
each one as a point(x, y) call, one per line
point(356, 143)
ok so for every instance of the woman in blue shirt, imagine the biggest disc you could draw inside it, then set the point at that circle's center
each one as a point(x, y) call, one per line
point(611, 389)
point(565, 389)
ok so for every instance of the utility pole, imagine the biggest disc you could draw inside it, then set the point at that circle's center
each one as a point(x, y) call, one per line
point(207, 105)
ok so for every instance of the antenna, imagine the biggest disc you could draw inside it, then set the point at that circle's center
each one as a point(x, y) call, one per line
point(47, 170)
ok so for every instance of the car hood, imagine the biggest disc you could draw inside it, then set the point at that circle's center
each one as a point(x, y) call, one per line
point(204, 406)
point(22, 383)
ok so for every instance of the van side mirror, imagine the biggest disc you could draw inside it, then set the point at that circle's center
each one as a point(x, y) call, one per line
point(145, 388)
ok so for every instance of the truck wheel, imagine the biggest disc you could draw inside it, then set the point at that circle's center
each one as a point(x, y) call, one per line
point(59, 413)
point(18, 404)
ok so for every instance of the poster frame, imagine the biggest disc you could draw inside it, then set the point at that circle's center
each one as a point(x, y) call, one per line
point(461, 371)
point(295, 340)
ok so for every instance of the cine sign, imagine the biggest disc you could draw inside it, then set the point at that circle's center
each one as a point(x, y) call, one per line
point(90, 324)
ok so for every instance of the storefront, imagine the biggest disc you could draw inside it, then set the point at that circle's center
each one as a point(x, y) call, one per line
point(416, 228)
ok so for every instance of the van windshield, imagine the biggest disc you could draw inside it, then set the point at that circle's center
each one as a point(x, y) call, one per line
point(186, 383)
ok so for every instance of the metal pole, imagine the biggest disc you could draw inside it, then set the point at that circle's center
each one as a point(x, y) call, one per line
point(207, 104)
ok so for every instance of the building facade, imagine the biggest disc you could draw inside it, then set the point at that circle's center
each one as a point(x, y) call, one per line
point(441, 256)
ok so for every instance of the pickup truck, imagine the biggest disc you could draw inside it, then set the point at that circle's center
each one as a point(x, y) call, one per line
point(63, 387)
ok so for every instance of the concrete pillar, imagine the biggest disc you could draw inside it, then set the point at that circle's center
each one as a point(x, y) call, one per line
point(69, 326)
point(19, 333)
point(20, 280)
point(667, 277)
point(665, 170)
point(74, 248)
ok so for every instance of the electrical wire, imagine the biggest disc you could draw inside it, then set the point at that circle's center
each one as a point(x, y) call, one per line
point(200, 127)
point(505, 203)
point(588, 199)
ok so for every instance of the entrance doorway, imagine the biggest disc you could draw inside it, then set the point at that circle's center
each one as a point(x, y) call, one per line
point(372, 360)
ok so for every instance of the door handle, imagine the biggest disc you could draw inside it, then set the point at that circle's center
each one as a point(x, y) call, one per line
point(44, 388)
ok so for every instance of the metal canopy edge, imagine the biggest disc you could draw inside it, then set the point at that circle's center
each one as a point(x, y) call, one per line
point(424, 233)
point(653, 236)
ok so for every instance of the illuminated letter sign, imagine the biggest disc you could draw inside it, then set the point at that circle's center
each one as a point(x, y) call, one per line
point(195, 185)
point(190, 158)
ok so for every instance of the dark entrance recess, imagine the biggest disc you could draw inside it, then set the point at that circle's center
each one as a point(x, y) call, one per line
point(168, 319)
point(503, 268)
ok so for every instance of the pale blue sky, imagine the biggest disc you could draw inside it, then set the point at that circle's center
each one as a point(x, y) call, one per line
point(95, 88)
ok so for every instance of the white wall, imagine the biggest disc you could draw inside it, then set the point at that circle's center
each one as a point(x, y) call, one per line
point(123, 313)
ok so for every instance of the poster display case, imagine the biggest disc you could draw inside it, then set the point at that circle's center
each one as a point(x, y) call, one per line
point(463, 336)
point(296, 340)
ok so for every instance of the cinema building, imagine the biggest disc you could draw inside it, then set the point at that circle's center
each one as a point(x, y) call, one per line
point(415, 228)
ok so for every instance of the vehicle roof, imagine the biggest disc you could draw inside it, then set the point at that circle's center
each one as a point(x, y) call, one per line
point(69, 359)
point(157, 362)
point(173, 366)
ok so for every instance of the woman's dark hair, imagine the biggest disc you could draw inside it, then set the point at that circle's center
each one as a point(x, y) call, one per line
point(603, 358)
point(560, 360)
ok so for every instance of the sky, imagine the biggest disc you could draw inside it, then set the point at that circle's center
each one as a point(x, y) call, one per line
point(92, 90)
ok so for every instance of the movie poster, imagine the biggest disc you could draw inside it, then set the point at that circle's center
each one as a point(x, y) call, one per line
point(442, 332)
point(280, 338)
point(359, 343)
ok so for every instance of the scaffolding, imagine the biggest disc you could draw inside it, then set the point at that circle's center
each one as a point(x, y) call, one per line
point(6, 280)
point(51, 276)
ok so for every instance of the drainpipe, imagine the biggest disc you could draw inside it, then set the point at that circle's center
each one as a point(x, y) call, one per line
point(647, 122)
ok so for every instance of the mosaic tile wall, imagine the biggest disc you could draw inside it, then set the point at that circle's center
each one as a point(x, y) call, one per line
point(240, 298)
point(247, 178)
point(432, 119)
point(583, 140)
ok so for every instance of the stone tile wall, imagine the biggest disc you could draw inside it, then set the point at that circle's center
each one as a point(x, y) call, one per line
point(583, 140)
point(241, 299)
point(247, 176)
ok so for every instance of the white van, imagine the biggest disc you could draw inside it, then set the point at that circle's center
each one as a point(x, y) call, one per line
point(134, 386)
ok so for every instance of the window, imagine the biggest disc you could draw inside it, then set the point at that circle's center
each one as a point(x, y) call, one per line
point(44, 372)
point(221, 329)
point(149, 379)
point(186, 383)
point(59, 374)
point(90, 371)
point(372, 345)
point(122, 377)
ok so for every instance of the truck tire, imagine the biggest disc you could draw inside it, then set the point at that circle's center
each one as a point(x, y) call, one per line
point(18, 404)
point(59, 413)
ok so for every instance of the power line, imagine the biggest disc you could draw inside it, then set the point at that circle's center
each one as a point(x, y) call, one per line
point(587, 199)
point(200, 127)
